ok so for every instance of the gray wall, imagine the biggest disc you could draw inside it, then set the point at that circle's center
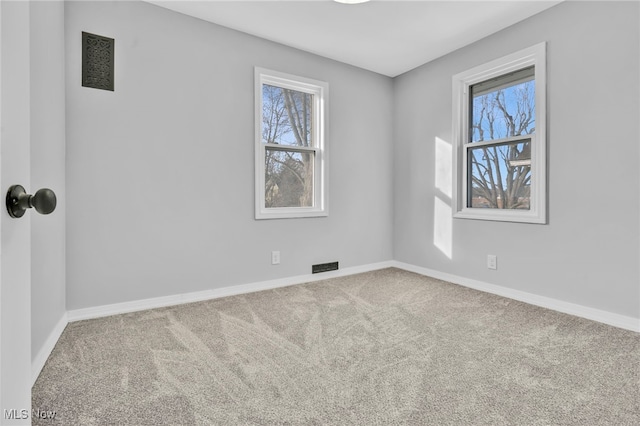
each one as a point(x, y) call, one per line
point(588, 253)
point(47, 168)
point(160, 173)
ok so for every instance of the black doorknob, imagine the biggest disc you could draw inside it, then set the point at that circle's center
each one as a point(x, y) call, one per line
point(18, 201)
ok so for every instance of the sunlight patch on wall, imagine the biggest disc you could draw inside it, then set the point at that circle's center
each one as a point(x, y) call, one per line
point(442, 213)
point(442, 227)
point(443, 167)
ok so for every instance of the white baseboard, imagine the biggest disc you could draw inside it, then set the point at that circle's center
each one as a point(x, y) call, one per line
point(40, 359)
point(616, 320)
point(178, 299)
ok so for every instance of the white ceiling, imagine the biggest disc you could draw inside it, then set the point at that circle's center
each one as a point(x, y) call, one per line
point(385, 36)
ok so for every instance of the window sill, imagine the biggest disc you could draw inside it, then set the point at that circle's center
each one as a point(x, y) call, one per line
point(500, 215)
point(288, 213)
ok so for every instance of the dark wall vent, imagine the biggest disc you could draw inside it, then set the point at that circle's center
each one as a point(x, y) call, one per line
point(97, 61)
point(324, 267)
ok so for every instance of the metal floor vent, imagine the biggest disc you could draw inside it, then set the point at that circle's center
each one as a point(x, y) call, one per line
point(97, 61)
point(324, 267)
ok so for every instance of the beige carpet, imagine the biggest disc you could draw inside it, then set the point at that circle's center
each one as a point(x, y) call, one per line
point(385, 347)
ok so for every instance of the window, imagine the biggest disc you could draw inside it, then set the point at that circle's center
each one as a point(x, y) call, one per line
point(500, 139)
point(290, 147)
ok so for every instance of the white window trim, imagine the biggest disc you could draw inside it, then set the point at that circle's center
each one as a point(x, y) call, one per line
point(532, 56)
point(320, 90)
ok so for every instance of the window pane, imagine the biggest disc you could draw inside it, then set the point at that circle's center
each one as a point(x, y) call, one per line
point(286, 116)
point(288, 179)
point(500, 176)
point(502, 107)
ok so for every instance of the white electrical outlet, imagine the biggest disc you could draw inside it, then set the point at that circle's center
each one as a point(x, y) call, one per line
point(492, 261)
point(275, 257)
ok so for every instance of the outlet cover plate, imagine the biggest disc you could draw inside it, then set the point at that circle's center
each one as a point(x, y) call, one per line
point(492, 261)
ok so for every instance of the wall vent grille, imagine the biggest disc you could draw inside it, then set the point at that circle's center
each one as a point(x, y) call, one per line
point(97, 61)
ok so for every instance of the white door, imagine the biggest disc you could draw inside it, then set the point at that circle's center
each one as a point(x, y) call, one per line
point(15, 238)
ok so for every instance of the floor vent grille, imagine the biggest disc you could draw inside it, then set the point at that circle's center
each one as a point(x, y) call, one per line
point(324, 267)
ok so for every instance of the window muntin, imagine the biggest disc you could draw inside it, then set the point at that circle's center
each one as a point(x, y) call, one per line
point(290, 148)
point(499, 129)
